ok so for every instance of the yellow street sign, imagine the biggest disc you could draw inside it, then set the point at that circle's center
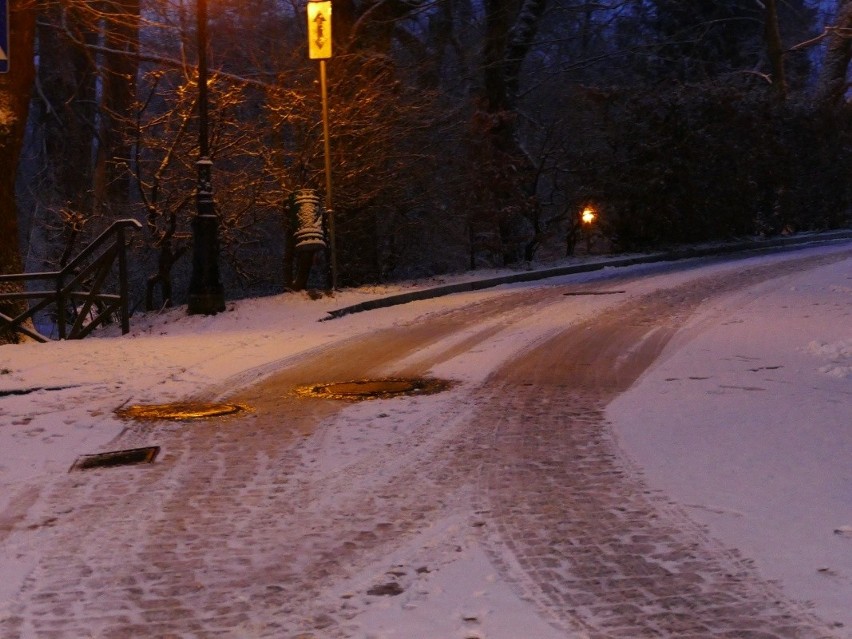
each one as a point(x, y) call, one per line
point(319, 29)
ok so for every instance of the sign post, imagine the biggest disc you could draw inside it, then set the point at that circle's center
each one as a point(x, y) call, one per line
point(4, 36)
point(319, 48)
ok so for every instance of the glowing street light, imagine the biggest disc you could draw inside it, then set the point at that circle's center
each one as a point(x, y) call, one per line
point(588, 217)
point(206, 296)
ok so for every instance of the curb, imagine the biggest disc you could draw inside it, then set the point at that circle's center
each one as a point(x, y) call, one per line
point(753, 246)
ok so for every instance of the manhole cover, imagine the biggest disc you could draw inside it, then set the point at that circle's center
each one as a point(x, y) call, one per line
point(117, 458)
point(178, 411)
point(374, 388)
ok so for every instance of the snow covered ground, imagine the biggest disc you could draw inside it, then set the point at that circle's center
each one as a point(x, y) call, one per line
point(746, 420)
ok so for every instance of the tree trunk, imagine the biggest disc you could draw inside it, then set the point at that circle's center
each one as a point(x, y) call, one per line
point(15, 89)
point(832, 84)
point(774, 49)
point(67, 117)
point(504, 170)
point(112, 167)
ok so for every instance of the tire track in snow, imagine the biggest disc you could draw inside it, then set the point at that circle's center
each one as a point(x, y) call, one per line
point(237, 533)
point(575, 528)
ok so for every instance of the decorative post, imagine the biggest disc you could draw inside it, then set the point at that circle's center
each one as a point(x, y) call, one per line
point(319, 48)
point(309, 235)
point(206, 296)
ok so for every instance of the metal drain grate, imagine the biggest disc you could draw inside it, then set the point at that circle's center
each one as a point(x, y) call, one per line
point(578, 293)
point(117, 458)
point(178, 411)
point(374, 388)
point(35, 389)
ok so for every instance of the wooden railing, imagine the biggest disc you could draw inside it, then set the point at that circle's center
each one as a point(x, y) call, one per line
point(76, 291)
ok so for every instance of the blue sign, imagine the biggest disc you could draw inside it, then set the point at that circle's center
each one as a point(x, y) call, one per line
point(4, 36)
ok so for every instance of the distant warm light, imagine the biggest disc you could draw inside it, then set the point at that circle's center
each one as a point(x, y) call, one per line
point(588, 215)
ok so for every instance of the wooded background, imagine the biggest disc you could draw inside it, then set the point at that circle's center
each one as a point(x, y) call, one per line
point(464, 133)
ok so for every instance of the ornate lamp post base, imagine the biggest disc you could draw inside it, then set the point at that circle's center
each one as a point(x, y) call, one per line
point(206, 296)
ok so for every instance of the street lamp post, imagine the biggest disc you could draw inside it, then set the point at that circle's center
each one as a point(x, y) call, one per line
point(588, 217)
point(206, 296)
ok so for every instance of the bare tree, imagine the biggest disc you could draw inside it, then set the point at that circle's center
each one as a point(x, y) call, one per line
point(119, 71)
point(65, 116)
point(833, 81)
point(774, 48)
point(15, 88)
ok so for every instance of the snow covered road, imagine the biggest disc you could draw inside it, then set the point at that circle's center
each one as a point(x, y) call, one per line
point(501, 508)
